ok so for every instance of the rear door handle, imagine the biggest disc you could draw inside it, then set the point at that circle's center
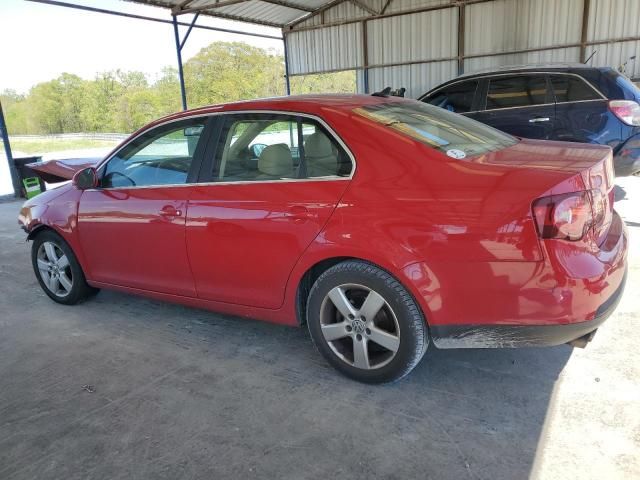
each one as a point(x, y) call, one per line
point(538, 119)
point(170, 211)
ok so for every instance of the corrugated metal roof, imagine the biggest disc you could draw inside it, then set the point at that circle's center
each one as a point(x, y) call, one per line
point(505, 25)
point(274, 13)
point(414, 43)
point(613, 18)
point(417, 79)
point(262, 12)
point(332, 48)
point(416, 37)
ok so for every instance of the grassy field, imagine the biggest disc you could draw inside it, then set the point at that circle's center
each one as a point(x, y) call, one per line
point(41, 146)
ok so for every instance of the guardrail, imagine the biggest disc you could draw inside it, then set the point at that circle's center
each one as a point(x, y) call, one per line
point(70, 136)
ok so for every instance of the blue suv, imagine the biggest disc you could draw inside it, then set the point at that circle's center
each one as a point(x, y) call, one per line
point(574, 103)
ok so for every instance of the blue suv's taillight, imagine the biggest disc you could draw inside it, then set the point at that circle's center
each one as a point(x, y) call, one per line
point(626, 110)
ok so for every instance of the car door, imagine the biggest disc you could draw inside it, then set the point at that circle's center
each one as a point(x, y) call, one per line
point(519, 104)
point(582, 113)
point(132, 227)
point(272, 185)
point(458, 97)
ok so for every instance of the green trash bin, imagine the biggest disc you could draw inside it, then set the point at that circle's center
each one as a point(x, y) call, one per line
point(31, 187)
point(28, 178)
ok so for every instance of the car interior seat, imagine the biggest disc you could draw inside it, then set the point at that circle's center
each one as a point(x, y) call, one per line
point(320, 156)
point(275, 162)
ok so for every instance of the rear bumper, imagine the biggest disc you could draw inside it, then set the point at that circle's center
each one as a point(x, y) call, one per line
point(513, 336)
point(514, 304)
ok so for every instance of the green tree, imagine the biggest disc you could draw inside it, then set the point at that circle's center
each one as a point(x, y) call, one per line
point(336, 82)
point(224, 72)
point(123, 101)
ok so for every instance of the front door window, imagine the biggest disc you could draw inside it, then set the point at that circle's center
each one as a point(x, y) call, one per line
point(162, 156)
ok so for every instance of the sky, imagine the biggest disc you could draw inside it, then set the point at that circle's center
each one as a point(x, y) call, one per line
point(39, 42)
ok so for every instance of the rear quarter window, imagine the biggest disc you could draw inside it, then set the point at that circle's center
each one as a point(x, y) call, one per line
point(620, 87)
point(568, 88)
point(454, 135)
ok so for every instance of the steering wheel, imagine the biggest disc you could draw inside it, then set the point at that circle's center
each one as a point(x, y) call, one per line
point(111, 175)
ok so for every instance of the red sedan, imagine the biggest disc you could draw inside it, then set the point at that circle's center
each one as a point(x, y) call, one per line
point(382, 223)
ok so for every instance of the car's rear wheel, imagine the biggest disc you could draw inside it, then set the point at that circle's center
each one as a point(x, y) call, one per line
point(57, 269)
point(365, 323)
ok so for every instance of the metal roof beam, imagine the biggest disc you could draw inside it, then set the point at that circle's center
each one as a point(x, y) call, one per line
point(183, 7)
point(284, 3)
point(347, 21)
point(154, 19)
point(239, 18)
point(314, 13)
point(365, 7)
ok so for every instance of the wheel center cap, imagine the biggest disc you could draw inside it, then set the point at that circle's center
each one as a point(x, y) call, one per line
point(358, 325)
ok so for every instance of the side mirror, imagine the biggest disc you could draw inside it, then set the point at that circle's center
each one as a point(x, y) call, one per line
point(256, 149)
point(85, 178)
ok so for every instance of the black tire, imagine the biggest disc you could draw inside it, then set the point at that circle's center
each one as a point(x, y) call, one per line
point(353, 278)
point(79, 290)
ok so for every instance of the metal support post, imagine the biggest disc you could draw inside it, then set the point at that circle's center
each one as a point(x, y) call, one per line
point(179, 46)
point(286, 65)
point(4, 135)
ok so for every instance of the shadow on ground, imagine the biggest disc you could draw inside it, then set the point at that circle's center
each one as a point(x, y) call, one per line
point(619, 193)
point(183, 393)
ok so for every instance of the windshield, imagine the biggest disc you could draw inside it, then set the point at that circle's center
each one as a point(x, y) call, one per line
point(452, 134)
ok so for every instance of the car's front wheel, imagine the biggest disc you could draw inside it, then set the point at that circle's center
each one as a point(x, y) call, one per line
point(57, 269)
point(365, 323)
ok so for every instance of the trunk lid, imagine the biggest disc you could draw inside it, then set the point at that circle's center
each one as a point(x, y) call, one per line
point(56, 171)
point(583, 168)
point(572, 158)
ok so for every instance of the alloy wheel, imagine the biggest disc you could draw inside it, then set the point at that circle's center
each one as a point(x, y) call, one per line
point(359, 326)
point(55, 269)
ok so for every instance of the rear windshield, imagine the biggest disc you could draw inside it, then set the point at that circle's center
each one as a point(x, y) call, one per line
point(629, 90)
point(450, 133)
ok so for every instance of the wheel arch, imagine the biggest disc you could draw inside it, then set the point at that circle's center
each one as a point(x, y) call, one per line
point(38, 229)
point(307, 280)
point(314, 271)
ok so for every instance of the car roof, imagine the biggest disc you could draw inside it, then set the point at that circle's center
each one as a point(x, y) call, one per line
point(531, 67)
point(538, 67)
point(311, 104)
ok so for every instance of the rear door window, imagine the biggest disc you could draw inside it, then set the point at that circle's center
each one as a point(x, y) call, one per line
point(269, 147)
point(568, 88)
point(455, 98)
point(517, 91)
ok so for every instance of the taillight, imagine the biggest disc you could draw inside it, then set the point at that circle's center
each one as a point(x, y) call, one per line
point(626, 110)
point(564, 217)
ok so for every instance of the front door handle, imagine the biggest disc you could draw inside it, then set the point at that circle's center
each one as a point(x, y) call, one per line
point(170, 211)
point(538, 119)
point(299, 213)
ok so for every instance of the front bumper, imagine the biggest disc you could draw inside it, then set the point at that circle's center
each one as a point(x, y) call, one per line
point(513, 336)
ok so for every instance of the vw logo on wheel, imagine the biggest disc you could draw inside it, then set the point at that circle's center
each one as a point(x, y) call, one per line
point(358, 325)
